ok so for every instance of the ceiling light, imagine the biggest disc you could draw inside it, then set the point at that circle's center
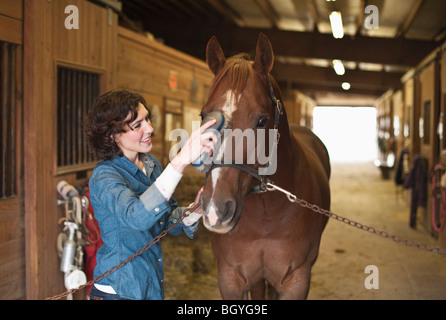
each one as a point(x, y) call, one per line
point(336, 24)
point(338, 67)
point(346, 86)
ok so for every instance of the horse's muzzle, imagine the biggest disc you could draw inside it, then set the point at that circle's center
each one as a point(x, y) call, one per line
point(220, 218)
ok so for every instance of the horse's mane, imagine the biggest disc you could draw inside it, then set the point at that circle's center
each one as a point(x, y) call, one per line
point(238, 68)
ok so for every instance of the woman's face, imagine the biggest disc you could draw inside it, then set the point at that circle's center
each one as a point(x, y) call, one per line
point(138, 137)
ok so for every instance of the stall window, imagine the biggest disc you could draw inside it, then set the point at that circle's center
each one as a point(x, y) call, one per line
point(76, 91)
point(8, 121)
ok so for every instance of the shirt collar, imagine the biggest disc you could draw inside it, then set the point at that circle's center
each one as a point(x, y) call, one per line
point(124, 163)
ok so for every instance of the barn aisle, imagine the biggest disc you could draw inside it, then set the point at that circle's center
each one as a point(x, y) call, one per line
point(359, 193)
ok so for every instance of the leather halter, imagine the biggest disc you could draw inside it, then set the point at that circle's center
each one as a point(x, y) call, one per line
point(278, 111)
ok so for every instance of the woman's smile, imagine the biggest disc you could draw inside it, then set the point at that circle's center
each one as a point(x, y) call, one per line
point(147, 141)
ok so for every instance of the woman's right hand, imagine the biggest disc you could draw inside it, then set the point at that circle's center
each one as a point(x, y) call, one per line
point(198, 143)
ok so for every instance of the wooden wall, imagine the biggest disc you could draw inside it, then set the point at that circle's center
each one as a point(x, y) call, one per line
point(398, 119)
point(299, 108)
point(29, 221)
point(429, 112)
point(12, 232)
point(423, 88)
point(385, 128)
point(411, 115)
point(419, 108)
point(47, 45)
point(146, 66)
point(442, 120)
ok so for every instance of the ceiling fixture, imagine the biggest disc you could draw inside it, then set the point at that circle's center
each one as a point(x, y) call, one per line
point(338, 67)
point(336, 24)
point(346, 86)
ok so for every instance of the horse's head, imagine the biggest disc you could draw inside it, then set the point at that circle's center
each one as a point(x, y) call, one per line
point(243, 92)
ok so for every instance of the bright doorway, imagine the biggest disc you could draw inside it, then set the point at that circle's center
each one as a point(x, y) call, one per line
point(349, 133)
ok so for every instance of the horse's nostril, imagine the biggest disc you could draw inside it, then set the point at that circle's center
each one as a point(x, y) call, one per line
point(229, 209)
point(223, 212)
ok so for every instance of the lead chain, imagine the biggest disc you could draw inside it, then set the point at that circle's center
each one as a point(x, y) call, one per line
point(186, 213)
point(315, 208)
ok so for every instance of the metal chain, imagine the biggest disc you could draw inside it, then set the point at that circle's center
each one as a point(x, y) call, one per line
point(303, 203)
point(292, 198)
point(186, 212)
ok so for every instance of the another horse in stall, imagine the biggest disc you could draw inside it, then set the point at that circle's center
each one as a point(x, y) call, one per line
point(260, 238)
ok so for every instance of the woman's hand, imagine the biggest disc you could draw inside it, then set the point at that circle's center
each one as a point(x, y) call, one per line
point(197, 200)
point(197, 214)
point(198, 143)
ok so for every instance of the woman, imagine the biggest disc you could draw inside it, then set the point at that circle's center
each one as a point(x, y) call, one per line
point(131, 194)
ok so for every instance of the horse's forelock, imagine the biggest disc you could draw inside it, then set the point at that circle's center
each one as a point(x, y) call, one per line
point(238, 69)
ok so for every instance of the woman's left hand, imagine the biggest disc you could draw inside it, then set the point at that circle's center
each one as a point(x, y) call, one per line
point(196, 215)
point(197, 200)
point(198, 142)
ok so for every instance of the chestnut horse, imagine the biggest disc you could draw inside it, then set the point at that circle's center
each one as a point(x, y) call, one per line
point(260, 239)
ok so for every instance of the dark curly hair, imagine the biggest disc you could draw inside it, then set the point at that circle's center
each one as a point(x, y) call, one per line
point(108, 117)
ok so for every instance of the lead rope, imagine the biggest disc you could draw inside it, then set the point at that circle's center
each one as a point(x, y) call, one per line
point(303, 203)
point(186, 212)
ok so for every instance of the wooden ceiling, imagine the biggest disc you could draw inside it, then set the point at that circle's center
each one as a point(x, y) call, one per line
point(300, 32)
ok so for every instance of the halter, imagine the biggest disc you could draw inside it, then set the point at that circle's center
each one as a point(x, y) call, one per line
point(262, 187)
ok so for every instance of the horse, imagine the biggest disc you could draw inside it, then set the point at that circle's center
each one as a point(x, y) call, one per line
point(265, 245)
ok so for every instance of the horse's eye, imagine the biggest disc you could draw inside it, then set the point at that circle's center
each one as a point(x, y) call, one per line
point(261, 122)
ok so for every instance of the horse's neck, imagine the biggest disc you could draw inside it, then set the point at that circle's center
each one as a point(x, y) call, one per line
point(285, 155)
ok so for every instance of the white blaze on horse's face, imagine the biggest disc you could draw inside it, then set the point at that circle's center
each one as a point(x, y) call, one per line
point(228, 109)
point(230, 104)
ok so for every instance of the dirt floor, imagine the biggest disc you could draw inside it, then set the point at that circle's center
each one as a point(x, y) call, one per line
point(359, 193)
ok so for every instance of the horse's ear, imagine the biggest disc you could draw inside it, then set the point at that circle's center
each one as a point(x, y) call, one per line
point(214, 55)
point(264, 60)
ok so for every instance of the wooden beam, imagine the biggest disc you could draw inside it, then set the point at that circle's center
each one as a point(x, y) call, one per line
point(360, 21)
point(409, 19)
point(193, 40)
point(309, 74)
point(183, 7)
point(10, 30)
point(227, 12)
point(268, 11)
point(312, 88)
point(313, 12)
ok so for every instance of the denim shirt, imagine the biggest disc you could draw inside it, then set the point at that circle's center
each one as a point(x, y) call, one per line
point(130, 212)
